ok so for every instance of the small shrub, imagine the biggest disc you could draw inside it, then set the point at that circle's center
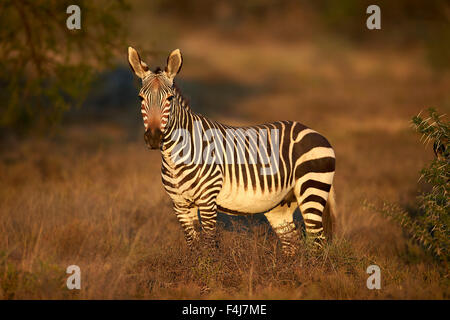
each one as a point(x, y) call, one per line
point(430, 226)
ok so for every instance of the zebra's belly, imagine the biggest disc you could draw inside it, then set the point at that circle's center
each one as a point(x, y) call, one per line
point(241, 201)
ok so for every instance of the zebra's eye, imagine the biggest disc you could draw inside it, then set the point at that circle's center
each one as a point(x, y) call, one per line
point(169, 98)
point(141, 98)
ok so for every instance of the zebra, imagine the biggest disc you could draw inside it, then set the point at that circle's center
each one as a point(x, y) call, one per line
point(302, 176)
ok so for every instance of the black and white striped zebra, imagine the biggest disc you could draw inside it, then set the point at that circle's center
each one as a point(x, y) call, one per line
point(208, 166)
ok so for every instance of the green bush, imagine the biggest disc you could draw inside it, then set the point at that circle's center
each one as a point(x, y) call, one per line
point(430, 225)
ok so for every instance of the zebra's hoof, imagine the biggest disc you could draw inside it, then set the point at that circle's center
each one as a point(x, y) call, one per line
point(205, 290)
point(316, 244)
point(289, 253)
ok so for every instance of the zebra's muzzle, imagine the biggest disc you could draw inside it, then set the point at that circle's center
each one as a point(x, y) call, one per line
point(153, 138)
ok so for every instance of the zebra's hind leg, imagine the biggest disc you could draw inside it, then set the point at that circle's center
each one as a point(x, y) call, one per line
point(281, 219)
point(188, 217)
point(312, 196)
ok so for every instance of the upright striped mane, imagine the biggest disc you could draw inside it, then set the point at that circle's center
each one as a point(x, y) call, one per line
point(183, 102)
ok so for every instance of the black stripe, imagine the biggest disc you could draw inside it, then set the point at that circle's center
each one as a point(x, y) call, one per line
point(309, 141)
point(191, 175)
point(313, 210)
point(315, 198)
point(298, 127)
point(316, 185)
point(320, 165)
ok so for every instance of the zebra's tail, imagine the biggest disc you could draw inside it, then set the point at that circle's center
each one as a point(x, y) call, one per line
point(329, 216)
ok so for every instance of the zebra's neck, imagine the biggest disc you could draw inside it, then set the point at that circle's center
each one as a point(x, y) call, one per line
point(180, 118)
point(182, 101)
point(185, 121)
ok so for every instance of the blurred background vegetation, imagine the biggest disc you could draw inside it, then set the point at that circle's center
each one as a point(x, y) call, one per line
point(47, 69)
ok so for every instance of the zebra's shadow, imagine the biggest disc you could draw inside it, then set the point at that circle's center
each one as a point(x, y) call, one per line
point(248, 223)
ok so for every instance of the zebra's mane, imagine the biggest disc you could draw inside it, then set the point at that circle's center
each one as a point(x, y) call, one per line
point(183, 101)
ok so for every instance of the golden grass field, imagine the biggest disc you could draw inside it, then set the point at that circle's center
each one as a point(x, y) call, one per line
point(90, 194)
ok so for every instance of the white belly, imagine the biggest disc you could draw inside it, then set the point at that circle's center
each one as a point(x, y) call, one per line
point(248, 201)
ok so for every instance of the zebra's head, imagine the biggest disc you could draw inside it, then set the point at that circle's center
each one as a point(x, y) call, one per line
point(157, 94)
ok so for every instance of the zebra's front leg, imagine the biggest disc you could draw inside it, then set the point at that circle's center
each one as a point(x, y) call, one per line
point(208, 216)
point(187, 216)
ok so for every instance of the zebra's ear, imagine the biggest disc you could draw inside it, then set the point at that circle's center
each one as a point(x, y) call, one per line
point(174, 62)
point(138, 66)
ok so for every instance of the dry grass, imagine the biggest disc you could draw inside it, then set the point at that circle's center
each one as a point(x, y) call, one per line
point(91, 195)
